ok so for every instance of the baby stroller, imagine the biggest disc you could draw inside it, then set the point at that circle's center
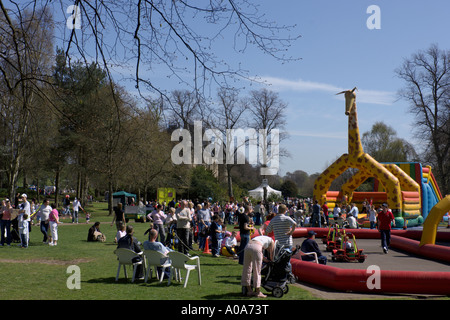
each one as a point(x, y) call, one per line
point(277, 274)
point(15, 236)
point(172, 238)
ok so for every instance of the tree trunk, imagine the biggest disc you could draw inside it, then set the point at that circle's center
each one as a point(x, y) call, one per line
point(230, 182)
point(110, 197)
point(57, 185)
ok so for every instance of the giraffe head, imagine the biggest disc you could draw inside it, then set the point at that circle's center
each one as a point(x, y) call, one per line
point(350, 98)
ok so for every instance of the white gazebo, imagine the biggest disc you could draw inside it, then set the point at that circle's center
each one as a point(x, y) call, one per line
point(258, 193)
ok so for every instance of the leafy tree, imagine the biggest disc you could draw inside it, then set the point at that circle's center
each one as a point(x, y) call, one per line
point(289, 188)
point(382, 143)
point(203, 184)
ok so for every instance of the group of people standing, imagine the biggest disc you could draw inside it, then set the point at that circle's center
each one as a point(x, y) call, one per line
point(16, 221)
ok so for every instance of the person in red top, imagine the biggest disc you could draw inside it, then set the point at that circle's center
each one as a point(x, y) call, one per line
point(385, 218)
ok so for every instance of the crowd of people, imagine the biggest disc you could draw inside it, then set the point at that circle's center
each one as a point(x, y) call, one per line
point(17, 219)
point(178, 226)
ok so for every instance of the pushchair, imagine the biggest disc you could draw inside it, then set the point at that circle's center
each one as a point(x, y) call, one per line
point(277, 274)
point(172, 238)
point(15, 236)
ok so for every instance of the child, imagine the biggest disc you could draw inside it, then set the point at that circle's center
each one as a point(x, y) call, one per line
point(372, 217)
point(307, 220)
point(23, 230)
point(120, 233)
point(348, 244)
point(216, 235)
point(53, 219)
point(230, 244)
point(340, 220)
point(88, 217)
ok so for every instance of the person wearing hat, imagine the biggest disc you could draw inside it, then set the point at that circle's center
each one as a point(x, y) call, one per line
point(310, 245)
point(385, 218)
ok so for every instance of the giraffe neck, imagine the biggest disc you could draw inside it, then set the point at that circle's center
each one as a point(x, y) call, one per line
point(354, 140)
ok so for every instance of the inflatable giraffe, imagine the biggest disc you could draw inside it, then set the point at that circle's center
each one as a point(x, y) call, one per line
point(390, 176)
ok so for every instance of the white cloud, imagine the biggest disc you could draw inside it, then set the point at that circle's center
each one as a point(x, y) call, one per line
point(364, 96)
point(328, 135)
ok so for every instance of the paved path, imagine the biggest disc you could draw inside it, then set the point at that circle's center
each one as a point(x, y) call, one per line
point(394, 260)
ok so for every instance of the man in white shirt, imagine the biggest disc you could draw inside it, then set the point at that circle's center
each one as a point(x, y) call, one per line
point(76, 205)
point(283, 227)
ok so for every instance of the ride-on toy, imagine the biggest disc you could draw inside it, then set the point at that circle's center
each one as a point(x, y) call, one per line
point(334, 238)
point(348, 251)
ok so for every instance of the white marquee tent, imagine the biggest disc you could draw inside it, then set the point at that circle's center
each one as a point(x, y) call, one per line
point(258, 193)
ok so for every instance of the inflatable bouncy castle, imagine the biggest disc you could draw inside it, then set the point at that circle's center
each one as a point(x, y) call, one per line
point(409, 189)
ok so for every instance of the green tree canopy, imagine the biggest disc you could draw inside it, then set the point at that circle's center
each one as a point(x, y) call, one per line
point(382, 143)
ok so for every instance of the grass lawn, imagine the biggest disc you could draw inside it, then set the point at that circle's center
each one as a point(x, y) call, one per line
point(40, 271)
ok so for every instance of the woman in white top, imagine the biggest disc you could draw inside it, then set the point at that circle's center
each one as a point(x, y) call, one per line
point(44, 213)
point(253, 257)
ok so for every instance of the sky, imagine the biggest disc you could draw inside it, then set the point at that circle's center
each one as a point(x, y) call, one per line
point(338, 51)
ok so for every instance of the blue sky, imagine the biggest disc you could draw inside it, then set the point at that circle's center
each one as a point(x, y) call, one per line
point(337, 52)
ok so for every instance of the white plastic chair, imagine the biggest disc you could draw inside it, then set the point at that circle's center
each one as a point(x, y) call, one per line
point(179, 262)
point(154, 259)
point(125, 257)
point(301, 253)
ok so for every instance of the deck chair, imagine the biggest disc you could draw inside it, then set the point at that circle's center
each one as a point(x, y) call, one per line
point(154, 260)
point(128, 257)
point(179, 262)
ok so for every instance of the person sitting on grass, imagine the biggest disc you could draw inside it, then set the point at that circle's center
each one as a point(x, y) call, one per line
point(230, 244)
point(95, 234)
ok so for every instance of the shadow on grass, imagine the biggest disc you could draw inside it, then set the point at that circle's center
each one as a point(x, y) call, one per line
point(139, 282)
point(112, 280)
point(224, 296)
